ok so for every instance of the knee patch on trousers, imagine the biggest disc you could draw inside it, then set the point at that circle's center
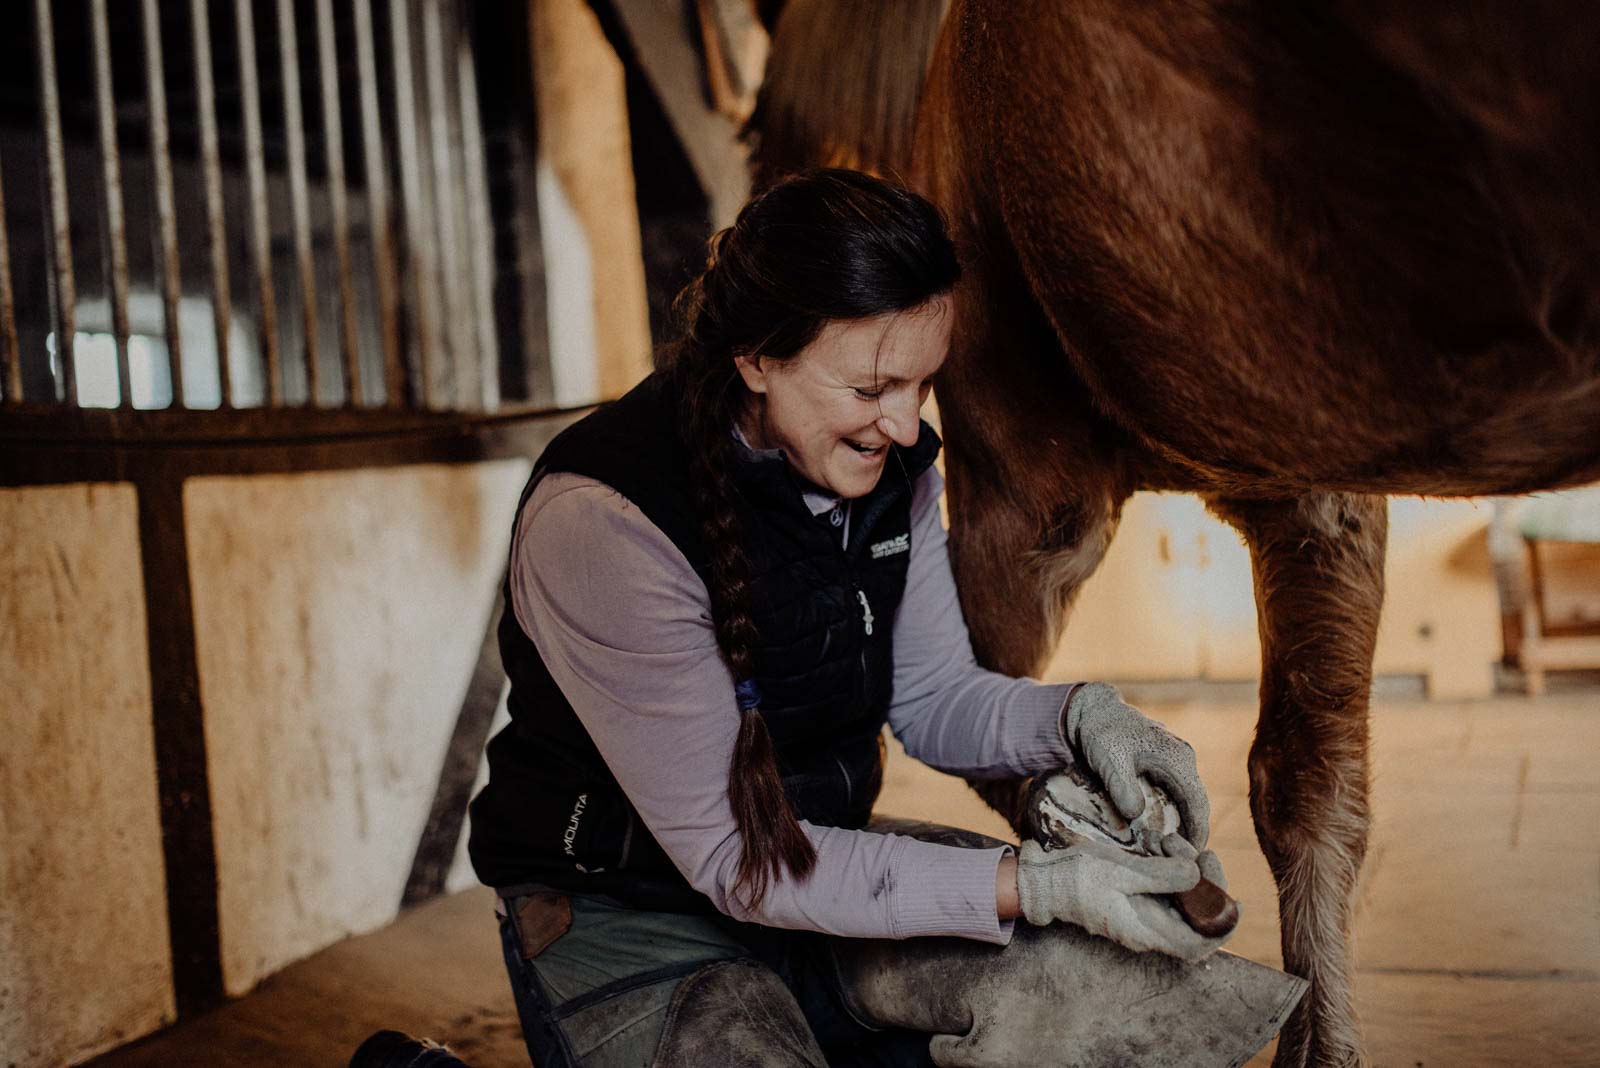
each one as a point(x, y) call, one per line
point(736, 1013)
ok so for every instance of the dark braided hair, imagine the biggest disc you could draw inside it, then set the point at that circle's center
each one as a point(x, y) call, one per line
point(821, 246)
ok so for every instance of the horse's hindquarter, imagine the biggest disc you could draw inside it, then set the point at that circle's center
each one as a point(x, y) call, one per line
point(1298, 254)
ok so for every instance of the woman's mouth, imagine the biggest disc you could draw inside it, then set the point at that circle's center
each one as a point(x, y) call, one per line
point(867, 450)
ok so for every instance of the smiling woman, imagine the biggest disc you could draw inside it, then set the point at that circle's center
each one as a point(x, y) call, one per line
point(858, 387)
point(722, 587)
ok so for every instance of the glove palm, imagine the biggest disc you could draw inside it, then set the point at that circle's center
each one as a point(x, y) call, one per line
point(1113, 893)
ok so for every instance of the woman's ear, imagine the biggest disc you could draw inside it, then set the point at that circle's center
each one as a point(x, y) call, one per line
point(752, 371)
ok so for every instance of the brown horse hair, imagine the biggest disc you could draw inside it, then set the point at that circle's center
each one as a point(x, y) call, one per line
point(834, 95)
point(822, 246)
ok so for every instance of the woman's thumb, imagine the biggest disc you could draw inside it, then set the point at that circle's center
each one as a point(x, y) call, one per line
point(1126, 794)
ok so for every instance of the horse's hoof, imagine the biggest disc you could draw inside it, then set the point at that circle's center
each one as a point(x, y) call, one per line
point(1071, 806)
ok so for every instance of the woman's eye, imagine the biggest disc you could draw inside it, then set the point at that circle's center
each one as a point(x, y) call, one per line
point(867, 394)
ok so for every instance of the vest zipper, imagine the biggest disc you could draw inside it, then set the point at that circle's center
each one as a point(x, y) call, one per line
point(866, 623)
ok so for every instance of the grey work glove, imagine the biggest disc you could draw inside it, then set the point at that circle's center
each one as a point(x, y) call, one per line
point(1119, 743)
point(1113, 893)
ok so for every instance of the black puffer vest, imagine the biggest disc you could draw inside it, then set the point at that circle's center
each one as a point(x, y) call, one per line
point(552, 814)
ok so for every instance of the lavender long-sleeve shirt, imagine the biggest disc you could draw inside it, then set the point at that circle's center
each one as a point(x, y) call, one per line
point(624, 625)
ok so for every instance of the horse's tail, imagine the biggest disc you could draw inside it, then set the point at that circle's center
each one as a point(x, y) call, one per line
point(842, 85)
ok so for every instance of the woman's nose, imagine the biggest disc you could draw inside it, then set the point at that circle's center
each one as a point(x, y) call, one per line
point(898, 419)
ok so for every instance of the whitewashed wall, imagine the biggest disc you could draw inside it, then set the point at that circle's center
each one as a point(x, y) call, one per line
point(84, 957)
point(337, 619)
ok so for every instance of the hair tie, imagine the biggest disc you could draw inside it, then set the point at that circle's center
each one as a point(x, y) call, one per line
point(748, 695)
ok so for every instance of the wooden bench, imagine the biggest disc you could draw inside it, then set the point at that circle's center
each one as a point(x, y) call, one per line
point(1547, 556)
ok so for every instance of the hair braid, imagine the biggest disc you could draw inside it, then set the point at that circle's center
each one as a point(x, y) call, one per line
point(773, 839)
point(821, 246)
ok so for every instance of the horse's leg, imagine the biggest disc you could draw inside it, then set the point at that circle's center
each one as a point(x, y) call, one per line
point(1020, 558)
point(1036, 476)
point(1034, 479)
point(1022, 545)
point(1318, 563)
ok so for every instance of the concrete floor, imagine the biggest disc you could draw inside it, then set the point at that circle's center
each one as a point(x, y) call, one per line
point(1477, 920)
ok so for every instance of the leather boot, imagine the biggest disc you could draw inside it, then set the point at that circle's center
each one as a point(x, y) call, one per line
point(396, 1049)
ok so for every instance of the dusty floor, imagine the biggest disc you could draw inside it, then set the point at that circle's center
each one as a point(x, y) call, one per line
point(1477, 921)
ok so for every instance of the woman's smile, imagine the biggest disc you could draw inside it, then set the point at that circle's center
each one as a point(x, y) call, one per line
point(869, 452)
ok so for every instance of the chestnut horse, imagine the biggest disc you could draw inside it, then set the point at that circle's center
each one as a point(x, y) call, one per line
point(1291, 258)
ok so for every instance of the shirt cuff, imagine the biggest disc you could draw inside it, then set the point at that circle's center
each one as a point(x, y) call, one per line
point(947, 891)
point(1035, 729)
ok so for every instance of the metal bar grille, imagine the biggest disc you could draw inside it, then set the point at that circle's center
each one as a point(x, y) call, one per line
point(444, 203)
point(374, 172)
point(10, 354)
point(398, 261)
point(481, 240)
point(256, 170)
point(333, 139)
point(58, 246)
point(114, 235)
point(299, 194)
point(166, 212)
point(417, 210)
point(216, 218)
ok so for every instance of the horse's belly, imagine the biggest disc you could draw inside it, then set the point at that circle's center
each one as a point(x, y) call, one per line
point(1281, 267)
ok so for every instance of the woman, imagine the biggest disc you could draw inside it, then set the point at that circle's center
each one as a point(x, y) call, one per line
point(721, 587)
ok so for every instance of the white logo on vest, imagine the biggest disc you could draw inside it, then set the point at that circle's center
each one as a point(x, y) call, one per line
point(572, 824)
point(902, 544)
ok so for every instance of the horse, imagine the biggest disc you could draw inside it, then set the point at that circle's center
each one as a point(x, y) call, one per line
point(1290, 258)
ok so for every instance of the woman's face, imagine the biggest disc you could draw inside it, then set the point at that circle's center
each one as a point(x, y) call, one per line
point(835, 407)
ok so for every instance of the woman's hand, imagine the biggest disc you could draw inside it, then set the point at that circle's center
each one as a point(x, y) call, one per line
point(1119, 744)
point(1112, 893)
